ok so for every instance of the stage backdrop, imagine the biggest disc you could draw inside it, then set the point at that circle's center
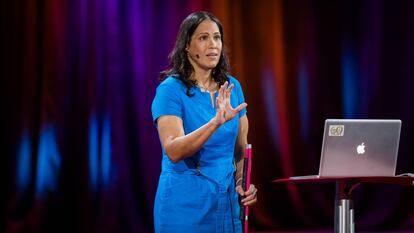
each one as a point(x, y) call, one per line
point(80, 151)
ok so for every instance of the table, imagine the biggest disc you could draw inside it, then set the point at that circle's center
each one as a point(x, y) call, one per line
point(344, 210)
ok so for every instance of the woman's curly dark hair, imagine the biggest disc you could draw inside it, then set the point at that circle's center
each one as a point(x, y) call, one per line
point(180, 66)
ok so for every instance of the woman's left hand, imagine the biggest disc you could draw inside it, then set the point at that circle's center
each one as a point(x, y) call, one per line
point(224, 110)
point(249, 197)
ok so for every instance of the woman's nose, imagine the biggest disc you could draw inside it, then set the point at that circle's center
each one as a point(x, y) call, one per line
point(212, 43)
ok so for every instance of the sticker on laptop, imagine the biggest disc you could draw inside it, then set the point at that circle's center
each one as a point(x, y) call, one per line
point(336, 130)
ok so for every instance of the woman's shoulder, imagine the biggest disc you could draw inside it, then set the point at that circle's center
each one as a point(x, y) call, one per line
point(171, 82)
point(232, 79)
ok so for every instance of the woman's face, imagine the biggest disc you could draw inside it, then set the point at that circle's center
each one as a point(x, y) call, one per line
point(205, 46)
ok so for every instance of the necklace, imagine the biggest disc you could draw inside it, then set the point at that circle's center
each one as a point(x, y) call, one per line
point(212, 88)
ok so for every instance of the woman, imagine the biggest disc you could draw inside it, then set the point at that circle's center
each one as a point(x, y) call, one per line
point(202, 135)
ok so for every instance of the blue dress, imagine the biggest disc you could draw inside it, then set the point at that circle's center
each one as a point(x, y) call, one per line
point(197, 194)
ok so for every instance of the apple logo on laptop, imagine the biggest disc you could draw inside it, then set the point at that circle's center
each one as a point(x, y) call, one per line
point(361, 149)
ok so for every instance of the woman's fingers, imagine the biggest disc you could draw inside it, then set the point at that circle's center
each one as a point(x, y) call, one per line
point(240, 190)
point(252, 190)
point(240, 107)
point(250, 202)
point(228, 92)
point(222, 90)
point(223, 102)
point(251, 196)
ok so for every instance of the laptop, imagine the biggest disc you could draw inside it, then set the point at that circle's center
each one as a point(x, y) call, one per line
point(356, 147)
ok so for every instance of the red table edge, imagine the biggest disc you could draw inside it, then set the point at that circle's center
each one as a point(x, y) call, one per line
point(398, 180)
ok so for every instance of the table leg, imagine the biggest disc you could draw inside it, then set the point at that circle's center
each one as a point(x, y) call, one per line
point(344, 208)
point(344, 216)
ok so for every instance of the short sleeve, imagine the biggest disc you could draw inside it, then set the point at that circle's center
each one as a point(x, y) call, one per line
point(240, 96)
point(166, 101)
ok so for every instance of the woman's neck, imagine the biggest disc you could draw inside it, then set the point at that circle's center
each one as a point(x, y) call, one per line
point(204, 80)
point(203, 77)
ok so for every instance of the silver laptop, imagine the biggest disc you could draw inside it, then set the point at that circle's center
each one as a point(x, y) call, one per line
point(359, 148)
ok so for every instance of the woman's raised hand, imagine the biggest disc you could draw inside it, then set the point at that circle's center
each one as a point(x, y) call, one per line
point(225, 111)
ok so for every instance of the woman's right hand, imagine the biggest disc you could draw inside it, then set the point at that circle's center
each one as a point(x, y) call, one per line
point(224, 110)
point(249, 197)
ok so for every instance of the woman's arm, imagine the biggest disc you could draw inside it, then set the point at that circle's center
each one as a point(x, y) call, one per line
point(249, 196)
point(179, 146)
point(239, 148)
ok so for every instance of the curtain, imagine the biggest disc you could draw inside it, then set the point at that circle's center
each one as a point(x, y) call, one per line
point(81, 152)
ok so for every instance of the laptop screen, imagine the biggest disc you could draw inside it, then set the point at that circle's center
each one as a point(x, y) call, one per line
point(359, 147)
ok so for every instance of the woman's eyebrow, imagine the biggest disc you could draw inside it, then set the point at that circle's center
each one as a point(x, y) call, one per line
point(203, 33)
point(207, 33)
